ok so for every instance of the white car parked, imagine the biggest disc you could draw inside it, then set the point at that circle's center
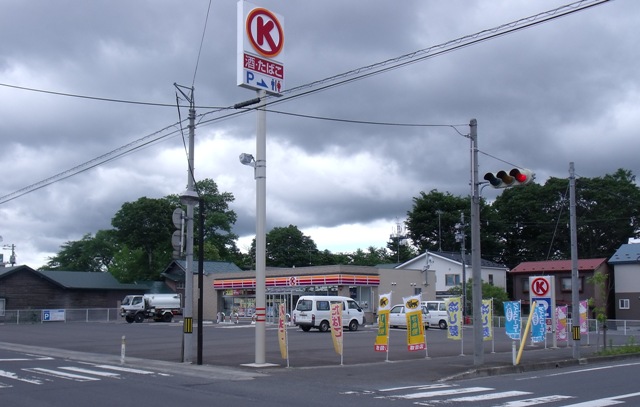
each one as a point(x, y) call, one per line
point(398, 317)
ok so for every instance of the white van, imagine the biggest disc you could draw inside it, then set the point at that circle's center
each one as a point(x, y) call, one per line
point(437, 313)
point(314, 311)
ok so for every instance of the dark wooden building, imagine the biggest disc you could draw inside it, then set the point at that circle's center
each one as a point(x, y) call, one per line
point(22, 287)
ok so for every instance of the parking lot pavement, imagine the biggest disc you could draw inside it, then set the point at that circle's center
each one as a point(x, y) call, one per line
point(229, 347)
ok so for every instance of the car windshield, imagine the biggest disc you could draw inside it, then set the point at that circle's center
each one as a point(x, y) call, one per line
point(304, 305)
point(126, 300)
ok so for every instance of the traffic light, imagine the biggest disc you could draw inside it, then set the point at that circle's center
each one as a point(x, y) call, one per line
point(515, 177)
point(177, 239)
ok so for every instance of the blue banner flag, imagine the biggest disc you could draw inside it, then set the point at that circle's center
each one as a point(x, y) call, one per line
point(538, 324)
point(513, 324)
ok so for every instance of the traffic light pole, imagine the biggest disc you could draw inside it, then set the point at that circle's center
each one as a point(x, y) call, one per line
point(189, 198)
point(478, 348)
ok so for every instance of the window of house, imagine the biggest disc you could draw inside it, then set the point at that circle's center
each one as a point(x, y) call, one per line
point(623, 303)
point(452, 280)
point(490, 279)
point(2, 306)
point(565, 284)
point(525, 285)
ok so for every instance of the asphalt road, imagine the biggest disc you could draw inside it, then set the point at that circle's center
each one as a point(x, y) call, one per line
point(45, 351)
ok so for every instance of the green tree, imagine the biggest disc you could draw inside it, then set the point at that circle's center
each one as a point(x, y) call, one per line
point(600, 303)
point(146, 225)
point(532, 221)
point(489, 291)
point(131, 265)
point(93, 254)
point(371, 257)
point(287, 247)
point(432, 221)
point(220, 241)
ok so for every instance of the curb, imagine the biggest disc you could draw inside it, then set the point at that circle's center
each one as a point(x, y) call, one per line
point(532, 367)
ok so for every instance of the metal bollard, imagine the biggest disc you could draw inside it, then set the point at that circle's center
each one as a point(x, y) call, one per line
point(123, 347)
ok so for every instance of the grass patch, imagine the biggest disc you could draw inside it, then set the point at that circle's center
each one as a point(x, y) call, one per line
point(630, 347)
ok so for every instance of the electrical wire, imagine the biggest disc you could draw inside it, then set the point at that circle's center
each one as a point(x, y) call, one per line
point(300, 91)
point(204, 30)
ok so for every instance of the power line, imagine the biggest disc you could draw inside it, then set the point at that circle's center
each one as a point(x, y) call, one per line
point(304, 90)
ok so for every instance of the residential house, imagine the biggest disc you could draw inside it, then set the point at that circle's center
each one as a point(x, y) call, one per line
point(626, 265)
point(449, 271)
point(560, 270)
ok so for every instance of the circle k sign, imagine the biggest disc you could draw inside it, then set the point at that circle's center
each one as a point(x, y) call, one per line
point(540, 286)
point(265, 32)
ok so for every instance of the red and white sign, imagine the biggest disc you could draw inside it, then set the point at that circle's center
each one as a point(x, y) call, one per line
point(260, 49)
point(540, 286)
point(265, 32)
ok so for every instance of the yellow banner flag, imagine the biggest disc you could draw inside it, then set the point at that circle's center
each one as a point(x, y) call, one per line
point(454, 316)
point(282, 331)
point(382, 338)
point(487, 319)
point(415, 325)
point(336, 327)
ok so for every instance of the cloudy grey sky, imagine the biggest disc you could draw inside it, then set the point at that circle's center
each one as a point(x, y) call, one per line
point(565, 90)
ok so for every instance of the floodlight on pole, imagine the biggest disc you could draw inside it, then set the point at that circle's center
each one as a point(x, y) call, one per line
point(247, 159)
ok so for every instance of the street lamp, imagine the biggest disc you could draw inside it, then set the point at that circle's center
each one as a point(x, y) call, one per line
point(12, 258)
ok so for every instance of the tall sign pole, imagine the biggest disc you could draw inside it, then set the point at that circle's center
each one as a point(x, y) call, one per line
point(261, 68)
point(476, 270)
point(261, 236)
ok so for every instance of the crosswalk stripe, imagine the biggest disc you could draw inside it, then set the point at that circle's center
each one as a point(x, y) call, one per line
point(91, 372)
point(13, 376)
point(62, 375)
point(535, 401)
point(421, 387)
point(491, 396)
point(124, 369)
point(438, 393)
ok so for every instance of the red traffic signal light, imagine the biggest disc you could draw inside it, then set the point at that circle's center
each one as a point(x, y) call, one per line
point(502, 179)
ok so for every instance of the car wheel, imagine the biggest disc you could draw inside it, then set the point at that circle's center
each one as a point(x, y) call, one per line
point(353, 325)
point(138, 318)
point(129, 319)
point(305, 328)
point(442, 324)
point(324, 326)
point(167, 317)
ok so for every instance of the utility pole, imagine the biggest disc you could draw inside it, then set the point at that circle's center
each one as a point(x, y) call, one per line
point(478, 348)
point(575, 287)
point(461, 237)
point(189, 198)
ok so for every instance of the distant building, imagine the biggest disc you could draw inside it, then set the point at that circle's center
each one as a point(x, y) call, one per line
point(448, 270)
point(560, 270)
point(22, 287)
point(626, 265)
